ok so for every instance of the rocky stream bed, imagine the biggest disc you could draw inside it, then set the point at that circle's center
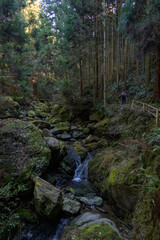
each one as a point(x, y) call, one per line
point(62, 178)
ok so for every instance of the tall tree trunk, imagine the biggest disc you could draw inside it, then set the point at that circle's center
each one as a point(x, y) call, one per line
point(112, 56)
point(104, 56)
point(147, 72)
point(107, 60)
point(137, 67)
point(157, 75)
point(117, 47)
point(125, 63)
point(81, 79)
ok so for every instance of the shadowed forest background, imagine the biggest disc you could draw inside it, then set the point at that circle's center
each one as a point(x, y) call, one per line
point(76, 163)
point(57, 45)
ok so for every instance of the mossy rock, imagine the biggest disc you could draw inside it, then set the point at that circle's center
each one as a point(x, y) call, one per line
point(92, 146)
point(24, 150)
point(47, 133)
point(47, 198)
point(145, 219)
point(86, 130)
point(102, 123)
point(64, 114)
point(8, 107)
point(91, 226)
point(31, 114)
point(96, 117)
point(82, 151)
point(42, 107)
point(101, 128)
point(41, 124)
point(97, 231)
point(62, 126)
point(55, 109)
point(116, 178)
point(90, 139)
point(54, 120)
point(40, 113)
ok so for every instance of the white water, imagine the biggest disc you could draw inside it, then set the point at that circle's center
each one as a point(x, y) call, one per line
point(81, 172)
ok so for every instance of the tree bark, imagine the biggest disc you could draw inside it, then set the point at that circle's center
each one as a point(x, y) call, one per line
point(104, 56)
point(147, 72)
point(157, 76)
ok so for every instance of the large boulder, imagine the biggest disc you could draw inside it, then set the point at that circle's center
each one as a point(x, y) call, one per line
point(8, 107)
point(115, 177)
point(91, 226)
point(70, 206)
point(101, 128)
point(58, 150)
point(23, 150)
point(47, 198)
point(96, 117)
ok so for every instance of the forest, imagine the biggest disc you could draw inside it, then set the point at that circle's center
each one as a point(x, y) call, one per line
point(80, 119)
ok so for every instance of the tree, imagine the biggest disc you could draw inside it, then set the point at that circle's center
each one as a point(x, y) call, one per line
point(140, 21)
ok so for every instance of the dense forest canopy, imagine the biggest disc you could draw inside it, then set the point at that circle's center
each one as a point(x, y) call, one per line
point(75, 161)
point(94, 45)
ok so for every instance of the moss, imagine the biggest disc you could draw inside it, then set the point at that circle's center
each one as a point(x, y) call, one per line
point(96, 117)
point(82, 151)
point(62, 126)
point(97, 231)
point(64, 114)
point(31, 114)
point(99, 166)
point(103, 123)
point(27, 215)
point(125, 172)
point(142, 220)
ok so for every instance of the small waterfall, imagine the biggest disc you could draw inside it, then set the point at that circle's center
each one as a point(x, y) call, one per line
point(61, 227)
point(81, 172)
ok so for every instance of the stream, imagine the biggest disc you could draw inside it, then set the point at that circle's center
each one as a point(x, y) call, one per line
point(82, 190)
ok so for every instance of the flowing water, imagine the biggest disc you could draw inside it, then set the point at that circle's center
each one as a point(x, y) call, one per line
point(81, 186)
point(81, 172)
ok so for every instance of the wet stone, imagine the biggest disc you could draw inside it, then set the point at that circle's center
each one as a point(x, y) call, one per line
point(96, 201)
point(55, 131)
point(73, 128)
point(77, 134)
point(64, 136)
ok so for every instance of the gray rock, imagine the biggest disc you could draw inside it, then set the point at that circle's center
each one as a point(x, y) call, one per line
point(47, 198)
point(96, 201)
point(8, 107)
point(73, 128)
point(55, 144)
point(88, 219)
point(64, 136)
point(91, 221)
point(71, 206)
point(55, 131)
point(76, 134)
